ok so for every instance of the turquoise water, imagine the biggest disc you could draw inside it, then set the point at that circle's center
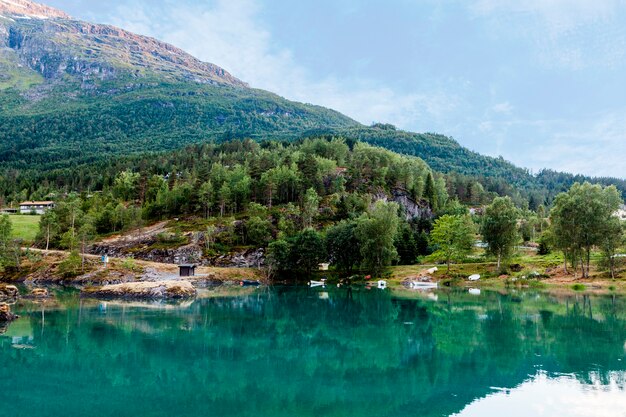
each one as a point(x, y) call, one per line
point(316, 352)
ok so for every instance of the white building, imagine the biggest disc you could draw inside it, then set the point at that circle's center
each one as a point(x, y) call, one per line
point(38, 207)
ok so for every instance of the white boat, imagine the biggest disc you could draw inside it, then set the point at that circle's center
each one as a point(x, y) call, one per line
point(317, 283)
point(382, 284)
point(474, 277)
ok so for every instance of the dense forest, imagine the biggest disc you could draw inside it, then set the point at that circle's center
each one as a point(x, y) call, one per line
point(252, 194)
point(51, 148)
point(306, 202)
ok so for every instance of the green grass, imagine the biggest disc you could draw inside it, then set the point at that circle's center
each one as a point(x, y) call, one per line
point(25, 227)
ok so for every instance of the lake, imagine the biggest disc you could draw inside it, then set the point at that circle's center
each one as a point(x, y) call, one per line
point(289, 351)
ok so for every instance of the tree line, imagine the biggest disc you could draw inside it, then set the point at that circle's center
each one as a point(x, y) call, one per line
point(307, 202)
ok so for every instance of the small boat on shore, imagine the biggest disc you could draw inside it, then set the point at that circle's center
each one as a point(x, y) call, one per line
point(474, 277)
point(314, 284)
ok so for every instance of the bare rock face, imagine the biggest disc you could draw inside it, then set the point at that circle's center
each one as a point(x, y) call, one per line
point(8, 292)
point(252, 258)
point(159, 290)
point(5, 313)
point(412, 209)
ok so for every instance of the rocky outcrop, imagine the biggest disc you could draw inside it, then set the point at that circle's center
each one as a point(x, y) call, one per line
point(253, 258)
point(144, 249)
point(159, 290)
point(412, 209)
point(5, 313)
point(8, 292)
point(183, 254)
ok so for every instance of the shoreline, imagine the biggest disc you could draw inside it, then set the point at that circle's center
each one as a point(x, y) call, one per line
point(44, 272)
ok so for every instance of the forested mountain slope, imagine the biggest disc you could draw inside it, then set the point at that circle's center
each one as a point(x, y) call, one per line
point(74, 93)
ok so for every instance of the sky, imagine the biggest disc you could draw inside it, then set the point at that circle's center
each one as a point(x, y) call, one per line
point(541, 83)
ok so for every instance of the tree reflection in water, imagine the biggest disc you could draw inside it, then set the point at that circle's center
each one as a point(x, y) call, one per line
point(305, 352)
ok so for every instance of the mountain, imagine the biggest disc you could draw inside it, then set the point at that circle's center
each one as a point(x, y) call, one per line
point(75, 93)
point(53, 45)
point(72, 92)
point(27, 9)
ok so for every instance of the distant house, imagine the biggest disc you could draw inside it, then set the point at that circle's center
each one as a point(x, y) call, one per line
point(38, 207)
point(621, 213)
point(9, 210)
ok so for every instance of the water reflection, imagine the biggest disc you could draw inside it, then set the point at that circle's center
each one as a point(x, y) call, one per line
point(560, 396)
point(336, 352)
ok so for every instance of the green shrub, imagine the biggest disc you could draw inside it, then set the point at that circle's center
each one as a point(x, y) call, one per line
point(71, 266)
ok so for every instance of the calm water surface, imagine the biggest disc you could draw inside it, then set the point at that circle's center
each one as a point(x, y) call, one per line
point(318, 352)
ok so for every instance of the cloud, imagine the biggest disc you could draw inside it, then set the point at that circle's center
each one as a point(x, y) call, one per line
point(593, 146)
point(566, 34)
point(559, 15)
point(504, 107)
point(230, 34)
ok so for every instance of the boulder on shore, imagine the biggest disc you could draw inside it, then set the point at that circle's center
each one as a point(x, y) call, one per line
point(8, 292)
point(5, 313)
point(158, 290)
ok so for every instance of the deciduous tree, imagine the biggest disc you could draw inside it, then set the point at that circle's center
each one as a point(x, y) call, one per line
point(499, 228)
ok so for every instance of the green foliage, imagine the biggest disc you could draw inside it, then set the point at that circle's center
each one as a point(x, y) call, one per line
point(310, 207)
point(583, 218)
point(499, 228)
point(302, 252)
point(7, 246)
point(130, 264)
point(170, 240)
point(610, 240)
point(544, 246)
point(258, 231)
point(376, 231)
point(406, 245)
point(343, 246)
point(307, 250)
point(48, 228)
point(453, 237)
point(71, 266)
point(279, 255)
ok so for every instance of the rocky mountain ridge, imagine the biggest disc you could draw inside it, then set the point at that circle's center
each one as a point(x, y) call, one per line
point(54, 45)
point(25, 8)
